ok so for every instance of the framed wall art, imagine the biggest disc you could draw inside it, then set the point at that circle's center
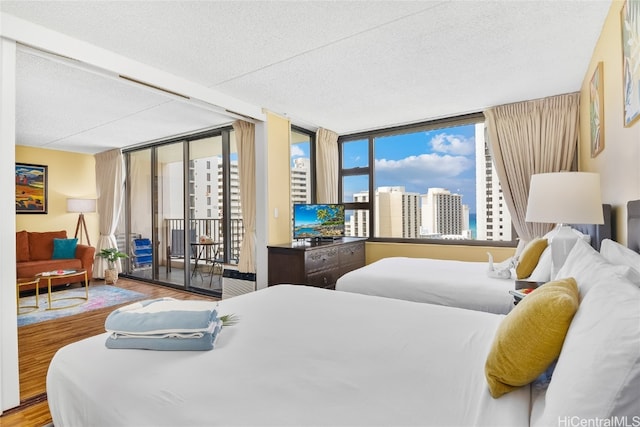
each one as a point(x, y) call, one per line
point(596, 110)
point(630, 24)
point(31, 189)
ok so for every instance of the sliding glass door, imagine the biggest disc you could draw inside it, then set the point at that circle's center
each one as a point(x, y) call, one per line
point(173, 244)
point(183, 220)
point(205, 212)
point(139, 227)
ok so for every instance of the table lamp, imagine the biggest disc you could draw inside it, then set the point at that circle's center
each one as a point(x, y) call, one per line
point(564, 198)
point(81, 206)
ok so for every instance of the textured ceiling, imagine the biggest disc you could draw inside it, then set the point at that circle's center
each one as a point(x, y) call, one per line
point(344, 65)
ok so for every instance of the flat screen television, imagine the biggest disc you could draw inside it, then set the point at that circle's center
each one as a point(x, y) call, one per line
point(318, 221)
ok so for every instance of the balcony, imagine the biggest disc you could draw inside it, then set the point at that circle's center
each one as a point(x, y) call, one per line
point(174, 236)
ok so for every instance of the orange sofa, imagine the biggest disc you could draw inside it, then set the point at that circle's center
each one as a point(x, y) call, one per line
point(34, 252)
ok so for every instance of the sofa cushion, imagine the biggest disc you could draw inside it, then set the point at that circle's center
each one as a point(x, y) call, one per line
point(41, 244)
point(22, 246)
point(64, 248)
point(31, 268)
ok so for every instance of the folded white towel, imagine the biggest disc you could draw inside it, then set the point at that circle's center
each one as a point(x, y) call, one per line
point(162, 316)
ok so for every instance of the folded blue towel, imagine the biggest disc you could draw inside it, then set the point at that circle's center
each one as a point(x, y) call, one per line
point(162, 316)
point(202, 342)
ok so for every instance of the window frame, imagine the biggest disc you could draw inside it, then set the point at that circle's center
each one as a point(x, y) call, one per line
point(370, 136)
point(312, 159)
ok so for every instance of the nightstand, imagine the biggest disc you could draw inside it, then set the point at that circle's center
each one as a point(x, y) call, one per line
point(523, 284)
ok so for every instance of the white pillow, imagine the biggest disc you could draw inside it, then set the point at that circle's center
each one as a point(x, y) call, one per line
point(598, 372)
point(615, 253)
point(588, 267)
point(542, 272)
point(521, 245)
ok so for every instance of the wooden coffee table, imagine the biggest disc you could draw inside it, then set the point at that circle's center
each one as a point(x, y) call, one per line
point(25, 282)
point(48, 276)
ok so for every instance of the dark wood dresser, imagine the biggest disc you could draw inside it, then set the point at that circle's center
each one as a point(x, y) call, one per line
point(315, 263)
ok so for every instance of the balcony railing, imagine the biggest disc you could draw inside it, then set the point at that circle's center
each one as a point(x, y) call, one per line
point(174, 228)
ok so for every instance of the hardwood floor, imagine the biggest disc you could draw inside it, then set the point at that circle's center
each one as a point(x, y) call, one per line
point(37, 343)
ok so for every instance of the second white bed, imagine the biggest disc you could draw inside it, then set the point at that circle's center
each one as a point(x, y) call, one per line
point(460, 284)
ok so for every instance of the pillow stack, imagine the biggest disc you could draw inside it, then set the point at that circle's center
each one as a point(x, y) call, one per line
point(164, 324)
point(589, 267)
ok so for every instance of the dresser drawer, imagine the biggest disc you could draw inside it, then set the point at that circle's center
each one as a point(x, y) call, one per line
point(352, 255)
point(323, 279)
point(321, 259)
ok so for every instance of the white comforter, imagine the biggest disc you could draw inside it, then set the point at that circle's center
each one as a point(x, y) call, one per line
point(298, 356)
point(444, 282)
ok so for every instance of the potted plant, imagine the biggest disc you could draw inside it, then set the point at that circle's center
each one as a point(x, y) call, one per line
point(111, 255)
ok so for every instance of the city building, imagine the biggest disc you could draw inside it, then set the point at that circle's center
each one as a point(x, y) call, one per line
point(397, 213)
point(442, 214)
point(300, 181)
point(493, 220)
point(357, 224)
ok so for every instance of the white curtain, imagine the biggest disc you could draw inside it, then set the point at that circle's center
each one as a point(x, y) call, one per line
point(110, 178)
point(327, 166)
point(245, 142)
point(527, 138)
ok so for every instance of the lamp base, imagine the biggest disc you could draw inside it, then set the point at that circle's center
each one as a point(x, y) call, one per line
point(82, 224)
point(561, 244)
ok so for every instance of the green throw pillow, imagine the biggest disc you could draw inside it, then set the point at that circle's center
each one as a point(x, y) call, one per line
point(64, 248)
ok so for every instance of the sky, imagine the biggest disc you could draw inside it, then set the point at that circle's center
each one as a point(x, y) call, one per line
point(443, 158)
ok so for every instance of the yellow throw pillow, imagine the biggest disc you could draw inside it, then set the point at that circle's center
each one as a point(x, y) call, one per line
point(530, 337)
point(529, 257)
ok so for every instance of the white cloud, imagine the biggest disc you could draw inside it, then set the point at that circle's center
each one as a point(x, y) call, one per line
point(418, 173)
point(296, 151)
point(426, 164)
point(453, 144)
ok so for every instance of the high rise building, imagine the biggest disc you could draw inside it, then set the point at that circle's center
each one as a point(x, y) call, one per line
point(397, 213)
point(357, 224)
point(300, 182)
point(203, 188)
point(234, 194)
point(493, 220)
point(442, 214)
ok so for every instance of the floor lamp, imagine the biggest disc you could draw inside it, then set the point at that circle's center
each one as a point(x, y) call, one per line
point(81, 206)
point(564, 198)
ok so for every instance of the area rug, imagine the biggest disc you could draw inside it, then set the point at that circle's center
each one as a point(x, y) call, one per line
point(100, 296)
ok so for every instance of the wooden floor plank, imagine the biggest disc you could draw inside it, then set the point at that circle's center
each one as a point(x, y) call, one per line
point(38, 342)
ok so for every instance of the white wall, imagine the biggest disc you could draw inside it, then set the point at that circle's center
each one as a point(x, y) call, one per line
point(9, 375)
point(619, 162)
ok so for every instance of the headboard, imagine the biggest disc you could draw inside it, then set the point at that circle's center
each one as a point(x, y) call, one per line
point(599, 232)
point(633, 225)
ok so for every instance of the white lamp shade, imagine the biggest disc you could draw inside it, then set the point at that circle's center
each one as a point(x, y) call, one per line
point(565, 198)
point(81, 205)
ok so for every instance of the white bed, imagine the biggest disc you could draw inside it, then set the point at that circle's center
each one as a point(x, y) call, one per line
point(298, 356)
point(307, 356)
point(443, 282)
point(452, 283)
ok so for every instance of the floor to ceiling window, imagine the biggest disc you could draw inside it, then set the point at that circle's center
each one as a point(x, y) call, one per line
point(182, 222)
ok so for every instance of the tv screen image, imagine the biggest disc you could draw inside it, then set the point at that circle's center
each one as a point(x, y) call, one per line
point(318, 221)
